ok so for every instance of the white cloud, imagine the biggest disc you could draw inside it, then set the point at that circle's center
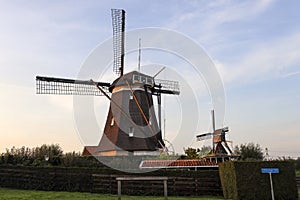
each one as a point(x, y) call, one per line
point(211, 15)
point(291, 74)
point(49, 39)
point(269, 60)
point(243, 11)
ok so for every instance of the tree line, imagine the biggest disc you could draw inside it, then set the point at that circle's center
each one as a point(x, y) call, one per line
point(53, 155)
point(247, 152)
point(45, 155)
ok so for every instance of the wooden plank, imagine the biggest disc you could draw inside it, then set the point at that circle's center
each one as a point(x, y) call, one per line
point(142, 178)
point(165, 190)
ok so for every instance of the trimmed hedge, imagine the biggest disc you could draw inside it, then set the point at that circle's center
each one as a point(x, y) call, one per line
point(244, 180)
point(181, 182)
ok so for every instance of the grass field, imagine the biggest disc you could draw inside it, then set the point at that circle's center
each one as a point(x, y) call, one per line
point(12, 194)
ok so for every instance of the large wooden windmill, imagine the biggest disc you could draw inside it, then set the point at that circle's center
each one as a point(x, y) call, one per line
point(131, 126)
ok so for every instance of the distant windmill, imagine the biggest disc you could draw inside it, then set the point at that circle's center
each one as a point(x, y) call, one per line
point(131, 125)
point(220, 147)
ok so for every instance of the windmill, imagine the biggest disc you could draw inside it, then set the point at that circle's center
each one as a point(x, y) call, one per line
point(131, 126)
point(220, 148)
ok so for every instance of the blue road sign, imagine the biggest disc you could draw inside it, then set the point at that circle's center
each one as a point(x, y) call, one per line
point(269, 170)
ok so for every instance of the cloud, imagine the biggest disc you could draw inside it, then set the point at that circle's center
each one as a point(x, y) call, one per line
point(291, 74)
point(44, 38)
point(215, 13)
point(271, 59)
point(231, 12)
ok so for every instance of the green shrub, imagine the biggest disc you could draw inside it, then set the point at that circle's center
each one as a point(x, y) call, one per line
point(297, 163)
point(228, 180)
point(244, 180)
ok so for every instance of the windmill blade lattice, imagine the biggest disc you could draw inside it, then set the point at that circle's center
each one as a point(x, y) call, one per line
point(204, 136)
point(61, 86)
point(167, 86)
point(118, 23)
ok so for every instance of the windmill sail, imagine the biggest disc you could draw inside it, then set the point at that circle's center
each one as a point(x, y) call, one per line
point(62, 86)
point(118, 23)
point(167, 86)
point(204, 136)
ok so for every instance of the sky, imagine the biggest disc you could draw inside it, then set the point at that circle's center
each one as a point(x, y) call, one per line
point(254, 45)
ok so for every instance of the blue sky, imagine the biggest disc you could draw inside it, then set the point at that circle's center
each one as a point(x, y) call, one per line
point(255, 45)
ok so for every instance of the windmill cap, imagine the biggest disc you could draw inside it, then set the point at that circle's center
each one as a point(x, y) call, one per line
point(132, 78)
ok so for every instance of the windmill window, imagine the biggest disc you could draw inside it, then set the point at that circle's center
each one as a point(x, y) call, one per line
point(143, 79)
point(150, 122)
point(136, 78)
point(131, 130)
point(112, 122)
point(130, 96)
point(149, 81)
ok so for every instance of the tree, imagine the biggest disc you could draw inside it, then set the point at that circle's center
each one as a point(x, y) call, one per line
point(249, 151)
point(191, 153)
point(43, 155)
point(205, 150)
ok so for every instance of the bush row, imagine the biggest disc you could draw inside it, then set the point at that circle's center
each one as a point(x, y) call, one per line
point(244, 180)
point(82, 180)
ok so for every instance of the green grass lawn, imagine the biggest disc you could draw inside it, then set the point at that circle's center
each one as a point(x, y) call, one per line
point(12, 194)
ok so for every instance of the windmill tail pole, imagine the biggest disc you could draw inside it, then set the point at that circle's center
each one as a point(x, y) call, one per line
point(159, 72)
point(214, 128)
point(139, 58)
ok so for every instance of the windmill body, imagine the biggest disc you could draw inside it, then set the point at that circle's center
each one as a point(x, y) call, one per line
point(131, 126)
point(134, 129)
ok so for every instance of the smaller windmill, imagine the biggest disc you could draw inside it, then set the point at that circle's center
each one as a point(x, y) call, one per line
point(220, 148)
